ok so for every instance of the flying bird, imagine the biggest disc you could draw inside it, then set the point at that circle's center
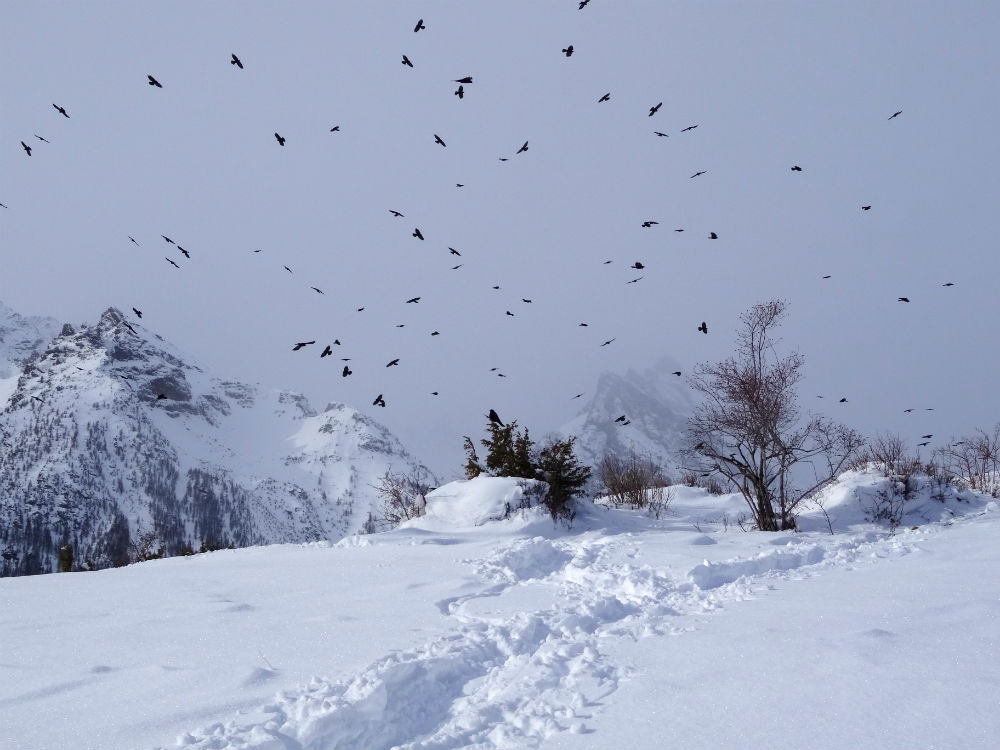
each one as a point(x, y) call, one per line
point(335, 129)
point(902, 299)
point(467, 79)
point(654, 110)
point(636, 280)
point(327, 351)
point(843, 401)
point(418, 234)
point(689, 127)
point(637, 266)
point(287, 269)
point(583, 325)
point(133, 240)
point(419, 26)
point(43, 140)
point(61, 110)
point(907, 411)
point(866, 208)
point(435, 333)
point(648, 224)
point(568, 51)
point(495, 418)
point(676, 372)
point(26, 147)
point(510, 313)
point(608, 342)
point(395, 213)
point(302, 344)
point(184, 252)
point(413, 300)
point(948, 284)
point(154, 82)
point(796, 168)
point(453, 251)
point(393, 363)
point(583, 4)
point(236, 61)
point(896, 114)
point(437, 139)
point(926, 437)
point(171, 263)
point(525, 299)
point(460, 91)
point(138, 313)
point(605, 98)
point(346, 371)
point(928, 442)
point(455, 268)
point(317, 290)
point(576, 396)
point(523, 148)
point(379, 401)
point(696, 174)
point(406, 61)
point(827, 276)
point(713, 236)
point(280, 139)
point(703, 327)
point(661, 135)
point(169, 241)
point(621, 418)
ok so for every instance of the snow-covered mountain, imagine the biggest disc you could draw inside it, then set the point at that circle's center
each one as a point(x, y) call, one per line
point(656, 404)
point(107, 433)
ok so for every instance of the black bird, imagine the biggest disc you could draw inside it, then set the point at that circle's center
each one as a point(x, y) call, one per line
point(866, 208)
point(61, 110)
point(401, 325)
point(419, 26)
point(568, 51)
point(280, 139)
point(576, 396)
point(406, 61)
point(455, 268)
point(412, 300)
point(460, 91)
point(607, 262)
point(634, 281)
point(796, 168)
point(637, 266)
point(43, 140)
point(510, 313)
point(38, 399)
point(453, 251)
point(302, 344)
point(662, 135)
point(437, 139)
point(435, 333)
point(360, 309)
point(713, 236)
point(648, 224)
point(127, 325)
point(459, 184)
point(434, 393)
point(417, 234)
point(604, 98)
point(394, 362)
point(626, 422)
point(525, 299)
point(497, 286)
point(495, 418)
point(171, 263)
point(948, 284)
point(608, 341)
point(678, 230)
point(703, 327)
point(503, 158)
point(327, 351)
point(287, 269)
point(827, 276)
point(335, 129)
point(138, 313)
point(583, 325)
point(676, 372)
point(379, 401)
point(236, 61)
point(902, 299)
point(926, 437)
point(467, 79)
point(161, 397)
point(26, 147)
point(346, 371)
point(154, 82)
point(3, 205)
point(928, 442)
point(523, 148)
point(654, 110)
point(907, 411)
point(184, 252)
point(133, 240)
point(168, 240)
point(698, 173)
point(896, 114)
point(395, 213)
point(689, 127)
point(621, 418)
point(843, 401)
point(583, 4)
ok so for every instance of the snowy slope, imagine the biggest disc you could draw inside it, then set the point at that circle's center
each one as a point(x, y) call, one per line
point(110, 433)
point(458, 631)
point(656, 404)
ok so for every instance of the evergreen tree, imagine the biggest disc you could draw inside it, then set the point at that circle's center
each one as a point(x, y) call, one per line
point(472, 466)
point(559, 467)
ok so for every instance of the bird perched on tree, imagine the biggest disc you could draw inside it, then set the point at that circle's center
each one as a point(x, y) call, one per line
point(419, 26)
point(654, 110)
point(703, 327)
point(154, 82)
point(280, 139)
point(406, 61)
point(61, 110)
point(302, 344)
point(236, 61)
point(495, 418)
point(568, 51)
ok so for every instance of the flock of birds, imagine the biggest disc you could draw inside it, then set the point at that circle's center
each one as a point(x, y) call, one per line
point(460, 92)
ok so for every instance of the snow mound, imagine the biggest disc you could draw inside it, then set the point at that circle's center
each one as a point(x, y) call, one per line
point(468, 503)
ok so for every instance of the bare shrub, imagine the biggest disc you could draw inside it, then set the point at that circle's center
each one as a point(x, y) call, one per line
point(974, 461)
point(635, 481)
point(146, 547)
point(404, 496)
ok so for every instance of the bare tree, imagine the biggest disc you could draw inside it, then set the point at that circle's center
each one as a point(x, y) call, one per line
point(749, 429)
point(404, 496)
point(636, 481)
point(974, 460)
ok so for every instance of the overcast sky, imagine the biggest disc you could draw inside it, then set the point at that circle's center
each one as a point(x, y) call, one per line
point(769, 85)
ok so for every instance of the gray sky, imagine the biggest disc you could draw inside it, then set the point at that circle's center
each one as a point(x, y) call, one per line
point(770, 85)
